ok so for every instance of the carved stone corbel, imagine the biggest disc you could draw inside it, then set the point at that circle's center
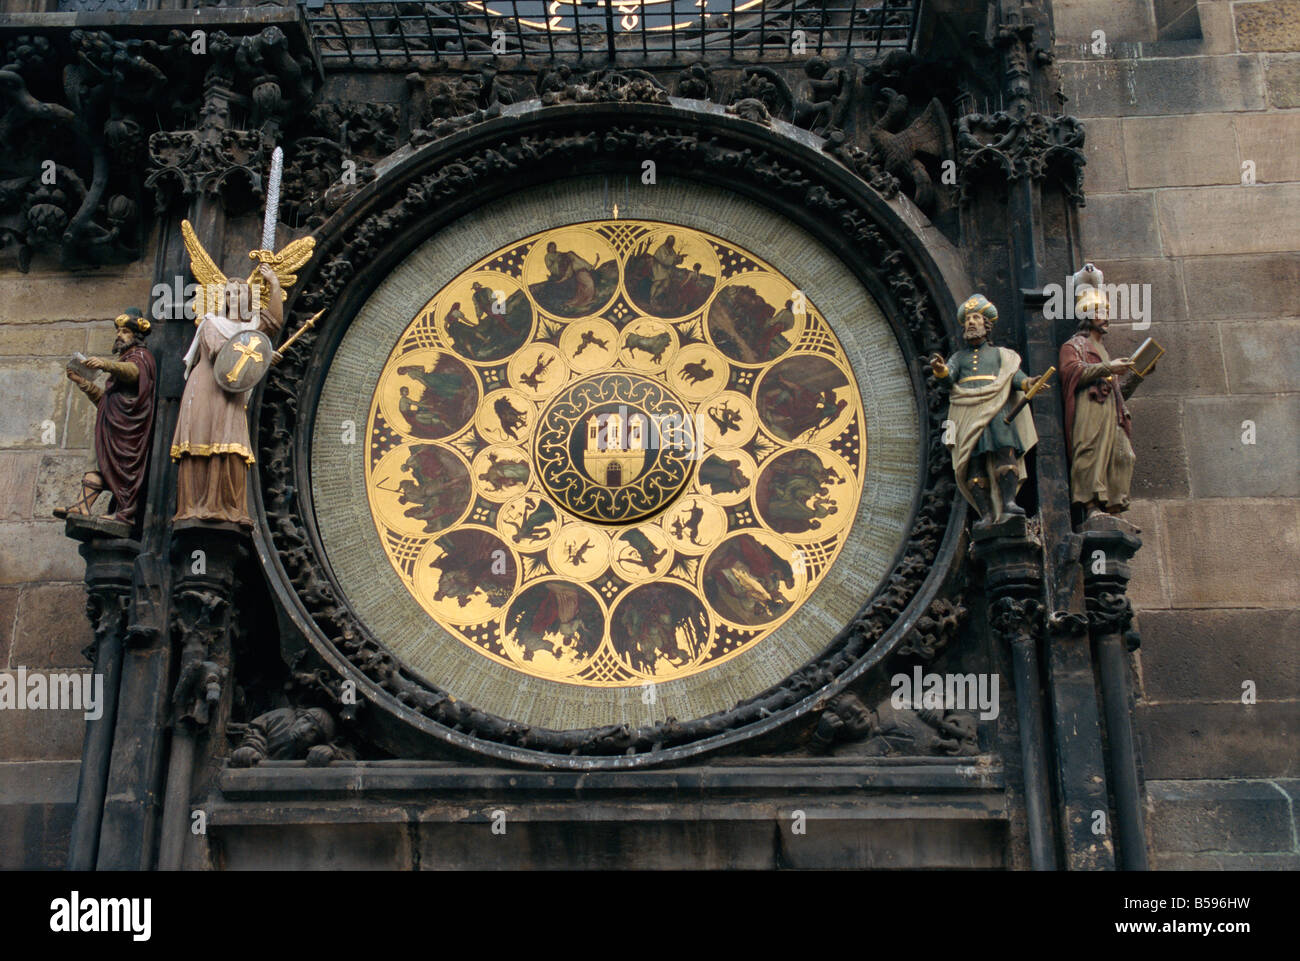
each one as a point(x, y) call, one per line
point(109, 565)
point(1013, 577)
point(1109, 544)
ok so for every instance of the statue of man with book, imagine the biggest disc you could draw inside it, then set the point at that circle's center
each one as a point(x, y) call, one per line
point(123, 420)
point(1098, 428)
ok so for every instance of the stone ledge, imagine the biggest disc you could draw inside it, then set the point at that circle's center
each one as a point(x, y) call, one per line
point(798, 776)
point(1219, 817)
point(586, 844)
point(884, 813)
point(39, 782)
point(1226, 862)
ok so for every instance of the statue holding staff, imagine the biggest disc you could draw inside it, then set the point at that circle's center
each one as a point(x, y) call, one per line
point(988, 436)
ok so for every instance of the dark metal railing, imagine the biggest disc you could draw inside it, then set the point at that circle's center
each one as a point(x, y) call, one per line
point(381, 33)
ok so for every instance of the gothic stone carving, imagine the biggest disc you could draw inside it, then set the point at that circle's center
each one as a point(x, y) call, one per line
point(332, 157)
point(1022, 142)
point(73, 147)
point(288, 734)
point(199, 619)
point(1017, 620)
point(215, 158)
point(1034, 146)
point(68, 174)
point(888, 729)
point(935, 629)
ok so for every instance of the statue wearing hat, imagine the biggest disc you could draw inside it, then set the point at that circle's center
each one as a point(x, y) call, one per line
point(1098, 427)
point(123, 420)
point(991, 429)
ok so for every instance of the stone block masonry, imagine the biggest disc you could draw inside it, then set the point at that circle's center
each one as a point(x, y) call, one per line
point(1193, 182)
point(46, 443)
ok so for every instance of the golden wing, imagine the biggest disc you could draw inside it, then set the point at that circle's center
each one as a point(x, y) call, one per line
point(205, 271)
point(290, 259)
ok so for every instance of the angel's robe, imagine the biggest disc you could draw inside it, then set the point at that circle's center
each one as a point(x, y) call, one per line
point(211, 442)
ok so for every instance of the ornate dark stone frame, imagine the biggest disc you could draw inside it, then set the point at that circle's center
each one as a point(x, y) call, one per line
point(420, 193)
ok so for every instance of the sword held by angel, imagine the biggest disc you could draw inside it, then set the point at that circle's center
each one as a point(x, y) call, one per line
point(231, 352)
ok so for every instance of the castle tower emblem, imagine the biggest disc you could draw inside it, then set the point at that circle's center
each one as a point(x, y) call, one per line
point(615, 450)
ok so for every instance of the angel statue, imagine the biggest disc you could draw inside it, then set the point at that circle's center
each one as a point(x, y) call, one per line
point(231, 350)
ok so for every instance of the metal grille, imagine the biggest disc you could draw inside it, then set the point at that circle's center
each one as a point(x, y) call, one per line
point(97, 6)
point(375, 33)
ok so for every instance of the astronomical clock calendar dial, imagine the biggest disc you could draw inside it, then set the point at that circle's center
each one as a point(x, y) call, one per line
point(613, 470)
point(614, 452)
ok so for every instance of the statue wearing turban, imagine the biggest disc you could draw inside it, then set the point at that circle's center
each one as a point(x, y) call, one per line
point(988, 454)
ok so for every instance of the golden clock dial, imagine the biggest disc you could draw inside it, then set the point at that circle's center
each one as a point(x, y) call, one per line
point(615, 452)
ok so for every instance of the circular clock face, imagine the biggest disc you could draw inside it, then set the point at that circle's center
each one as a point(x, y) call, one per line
point(617, 470)
point(614, 452)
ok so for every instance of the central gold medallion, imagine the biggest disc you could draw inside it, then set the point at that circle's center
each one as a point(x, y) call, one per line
point(615, 448)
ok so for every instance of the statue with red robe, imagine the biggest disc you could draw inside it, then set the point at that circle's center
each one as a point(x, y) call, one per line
point(1098, 428)
point(123, 422)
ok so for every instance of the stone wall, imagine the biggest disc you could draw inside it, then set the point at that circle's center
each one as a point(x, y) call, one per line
point(1185, 95)
point(46, 442)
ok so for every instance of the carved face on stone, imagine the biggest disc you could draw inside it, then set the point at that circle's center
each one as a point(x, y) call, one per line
point(311, 727)
point(859, 720)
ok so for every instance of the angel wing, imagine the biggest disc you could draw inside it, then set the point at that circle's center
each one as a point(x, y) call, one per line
point(206, 272)
point(286, 263)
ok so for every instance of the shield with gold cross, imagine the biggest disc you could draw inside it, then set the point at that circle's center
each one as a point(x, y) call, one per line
point(242, 361)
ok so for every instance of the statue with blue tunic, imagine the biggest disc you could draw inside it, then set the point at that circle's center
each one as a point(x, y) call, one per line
point(987, 431)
